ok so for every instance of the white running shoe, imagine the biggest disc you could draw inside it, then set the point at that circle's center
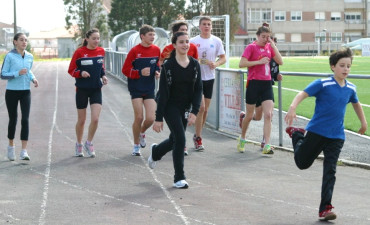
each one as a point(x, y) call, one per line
point(78, 150)
point(142, 140)
point(11, 153)
point(136, 150)
point(181, 184)
point(24, 155)
point(89, 148)
point(151, 162)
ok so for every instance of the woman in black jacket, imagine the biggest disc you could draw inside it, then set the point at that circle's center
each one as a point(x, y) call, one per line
point(178, 99)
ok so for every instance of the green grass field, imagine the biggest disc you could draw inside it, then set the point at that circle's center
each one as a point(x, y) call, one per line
point(360, 65)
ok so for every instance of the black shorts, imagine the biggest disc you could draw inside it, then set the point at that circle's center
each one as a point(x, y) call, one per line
point(258, 91)
point(208, 88)
point(84, 95)
point(143, 96)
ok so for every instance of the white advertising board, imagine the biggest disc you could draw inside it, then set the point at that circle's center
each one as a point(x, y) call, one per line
point(230, 101)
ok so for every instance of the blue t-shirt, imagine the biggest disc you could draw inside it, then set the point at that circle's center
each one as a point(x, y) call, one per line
point(331, 102)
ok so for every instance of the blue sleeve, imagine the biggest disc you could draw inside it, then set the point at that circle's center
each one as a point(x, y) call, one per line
point(314, 88)
point(6, 74)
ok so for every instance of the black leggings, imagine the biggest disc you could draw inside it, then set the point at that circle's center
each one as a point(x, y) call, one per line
point(11, 98)
point(176, 122)
point(307, 149)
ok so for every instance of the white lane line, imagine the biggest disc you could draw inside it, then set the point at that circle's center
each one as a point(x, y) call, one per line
point(168, 195)
point(85, 189)
point(48, 164)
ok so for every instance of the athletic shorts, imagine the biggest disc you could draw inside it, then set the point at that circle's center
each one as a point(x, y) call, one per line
point(208, 88)
point(143, 96)
point(258, 91)
point(84, 95)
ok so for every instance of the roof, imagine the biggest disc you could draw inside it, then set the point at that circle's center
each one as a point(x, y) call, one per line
point(60, 32)
point(5, 25)
point(241, 31)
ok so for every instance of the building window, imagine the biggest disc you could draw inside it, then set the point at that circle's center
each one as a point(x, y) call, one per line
point(353, 17)
point(296, 38)
point(259, 16)
point(279, 15)
point(280, 37)
point(320, 34)
point(296, 16)
point(335, 16)
point(336, 37)
point(352, 0)
point(319, 15)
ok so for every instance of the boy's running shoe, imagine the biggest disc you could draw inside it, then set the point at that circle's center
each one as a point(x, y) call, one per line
point(136, 150)
point(89, 148)
point(182, 184)
point(151, 162)
point(11, 153)
point(291, 130)
point(267, 150)
point(241, 144)
point(142, 140)
point(241, 117)
point(186, 151)
point(24, 155)
point(327, 214)
point(78, 150)
point(198, 143)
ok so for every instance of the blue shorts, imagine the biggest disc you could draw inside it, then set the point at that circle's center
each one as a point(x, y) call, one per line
point(143, 96)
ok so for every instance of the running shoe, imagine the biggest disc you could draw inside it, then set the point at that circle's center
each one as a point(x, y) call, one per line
point(198, 144)
point(78, 150)
point(291, 130)
point(24, 155)
point(241, 144)
point(89, 148)
point(151, 162)
point(241, 117)
point(136, 150)
point(182, 184)
point(267, 150)
point(11, 153)
point(327, 214)
point(142, 140)
point(186, 151)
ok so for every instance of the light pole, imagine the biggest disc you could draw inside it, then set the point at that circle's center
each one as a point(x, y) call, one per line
point(15, 18)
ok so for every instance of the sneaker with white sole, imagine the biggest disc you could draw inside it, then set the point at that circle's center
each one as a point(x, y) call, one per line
point(151, 162)
point(198, 145)
point(78, 150)
point(241, 144)
point(24, 155)
point(267, 150)
point(142, 140)
point(11, 153)
point(182, 184)
point(327, 214)
point(89, 148)
point(136, 150)
point(186, 151)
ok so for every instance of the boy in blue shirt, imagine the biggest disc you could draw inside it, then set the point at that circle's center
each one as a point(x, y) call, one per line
point(325, 131)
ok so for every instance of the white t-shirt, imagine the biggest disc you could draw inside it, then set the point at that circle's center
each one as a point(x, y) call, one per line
point(208, 50)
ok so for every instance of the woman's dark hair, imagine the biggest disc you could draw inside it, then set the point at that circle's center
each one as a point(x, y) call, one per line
point(336, 56)
point(88, 34)
point(176, 26)
point(16, 36)
point(265, 28)
point(174, 38)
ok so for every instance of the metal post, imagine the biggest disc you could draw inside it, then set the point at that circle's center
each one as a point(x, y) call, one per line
point(15, 18)
point(280, 115)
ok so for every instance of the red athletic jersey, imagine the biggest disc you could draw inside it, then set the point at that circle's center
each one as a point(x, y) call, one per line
point(193, 51)
point(140, 57)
